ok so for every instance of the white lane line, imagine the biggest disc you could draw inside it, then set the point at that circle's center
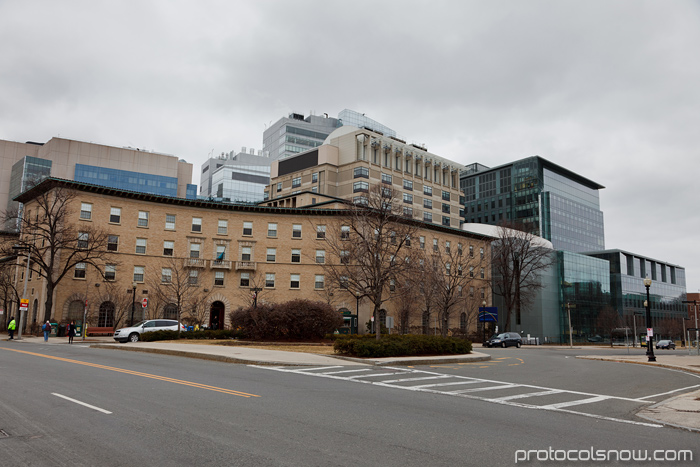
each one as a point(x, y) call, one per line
point(81, 403)
point(671, 392)
point(320, 368)
point(417, 379)
point(345, 371)
point(490, 388)
point(526, 395)
point(578, 402)
point(453, 383)
point(376, 374)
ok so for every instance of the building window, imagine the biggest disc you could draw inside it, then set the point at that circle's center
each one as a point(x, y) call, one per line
point(245, 279)
point(319, 281)
point(481, 252)
point(481, 273)
point(471, 251)
point(446, 195)
point(143, 219)
point(392, 285)
point(345, 232)
point(427, 190)
point(296, 256)
point(408, 198)
point(194, 250)
point(115, 215)
point(271, 230)
point(219, 278)
point(166, 275)
point(320, 231)
point(445, 221)
point(296, 231)
point(271, 255)
point(223, 227)
point(294, 280)
point(110, 272)
point(112, 243)
point(168, 248)
point(279, 187)
point(421, 242)
point(459, 249)
point(386, 178)
point(85, 211)
point(483, 293)
point(296, 182)
point(435, 244)
point(445, 208)
point(220, 253)
point(269, 280)
point(344, 256)
point(248, 228)
point(428, 217)
point(83, 239)
point(138, 273)
point(360, 200)
point(194, 277)
point(343, 282)
point(170, 222)
point(360, 187)
point(447, 247)
point(79, 271)
point(320, 256)
point(196, 224)
point(314, 177)
point(246, 253)
point(408, 185)
point(471, 271)
point(428, 203)
point(140, 246)
point(361, 172)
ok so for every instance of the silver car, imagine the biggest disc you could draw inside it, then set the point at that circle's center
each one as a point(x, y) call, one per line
point(133, 333)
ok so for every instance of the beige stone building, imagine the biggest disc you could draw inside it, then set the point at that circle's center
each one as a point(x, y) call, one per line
point(353, 159)
point(228, 250)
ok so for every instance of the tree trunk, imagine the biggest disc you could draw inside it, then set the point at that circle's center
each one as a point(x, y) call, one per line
point(48, 305)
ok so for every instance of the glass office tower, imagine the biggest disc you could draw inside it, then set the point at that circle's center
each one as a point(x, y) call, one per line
point(548, 200)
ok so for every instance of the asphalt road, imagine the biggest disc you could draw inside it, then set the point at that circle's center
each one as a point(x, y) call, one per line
point(175, 411)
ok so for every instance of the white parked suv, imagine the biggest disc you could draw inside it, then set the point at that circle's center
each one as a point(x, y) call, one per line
point(133, 333)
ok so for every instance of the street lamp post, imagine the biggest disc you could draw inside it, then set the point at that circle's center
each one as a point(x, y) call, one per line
point(650, 331)
point(24, 293)
point(483, 323)
point(133, 301)
point(357, 312)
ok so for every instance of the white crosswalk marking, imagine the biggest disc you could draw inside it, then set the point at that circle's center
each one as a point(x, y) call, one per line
point(449, 386)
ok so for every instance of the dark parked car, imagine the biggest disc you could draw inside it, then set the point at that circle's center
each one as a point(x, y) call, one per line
point(505, 339)
point(666, 344)
point(595, 338)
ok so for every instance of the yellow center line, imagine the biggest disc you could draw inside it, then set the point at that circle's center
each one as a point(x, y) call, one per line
point(138, 373)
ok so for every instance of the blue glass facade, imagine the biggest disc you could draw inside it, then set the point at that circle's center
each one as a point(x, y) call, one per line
point(126, 180)
point(550, 201)
point(191, 192)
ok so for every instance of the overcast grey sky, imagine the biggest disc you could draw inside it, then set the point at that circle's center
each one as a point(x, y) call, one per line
point(608, 89)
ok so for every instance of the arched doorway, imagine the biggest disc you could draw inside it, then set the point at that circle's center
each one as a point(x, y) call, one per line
point(105, 318)
point(170, 311)
point(216, 315)
point(35, 310)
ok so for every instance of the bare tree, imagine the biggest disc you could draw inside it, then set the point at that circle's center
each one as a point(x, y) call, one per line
point(518, 260)
point(8, 291)
point(607, 322)
point(111, 294)
point(254, 291)
point(450, 271)
point(368, 247)
point(407, 300)
point(54, 244)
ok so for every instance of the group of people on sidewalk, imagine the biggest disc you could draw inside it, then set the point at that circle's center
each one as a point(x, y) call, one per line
point(46, 327)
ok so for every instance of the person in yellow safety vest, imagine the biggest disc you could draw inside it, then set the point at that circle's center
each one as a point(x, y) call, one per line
point(11, 327)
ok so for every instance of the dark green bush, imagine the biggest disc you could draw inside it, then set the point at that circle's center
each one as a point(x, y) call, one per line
point(293, 320)
point(205, 334)
point(366, 346)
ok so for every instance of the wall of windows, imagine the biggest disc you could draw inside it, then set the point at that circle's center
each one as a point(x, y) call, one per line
point(126, 180)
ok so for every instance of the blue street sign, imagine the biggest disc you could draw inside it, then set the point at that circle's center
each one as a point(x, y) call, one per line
point(488, 314)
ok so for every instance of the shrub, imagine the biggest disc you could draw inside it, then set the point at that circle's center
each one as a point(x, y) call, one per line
point(295, 320)
point(366, 346)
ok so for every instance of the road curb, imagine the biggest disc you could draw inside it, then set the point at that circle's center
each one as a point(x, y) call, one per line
point(654, 364)
point(428, 361)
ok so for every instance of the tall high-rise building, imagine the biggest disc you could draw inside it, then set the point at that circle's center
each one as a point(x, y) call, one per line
point(133, 169)
point(296, 133)
point(234, 177)
point(549, 200)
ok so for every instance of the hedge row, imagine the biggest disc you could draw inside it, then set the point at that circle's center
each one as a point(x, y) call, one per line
point(205, 334)
point(366, 346)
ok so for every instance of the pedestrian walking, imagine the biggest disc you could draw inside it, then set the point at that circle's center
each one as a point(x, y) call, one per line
point(47, 329)
point(71, 332)
point(11, 327)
